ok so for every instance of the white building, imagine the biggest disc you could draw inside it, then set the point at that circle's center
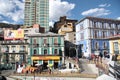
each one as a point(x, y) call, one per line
point(70, 36)
point(91, 34)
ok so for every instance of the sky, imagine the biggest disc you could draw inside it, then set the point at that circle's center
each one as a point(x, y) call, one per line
point(12, 11)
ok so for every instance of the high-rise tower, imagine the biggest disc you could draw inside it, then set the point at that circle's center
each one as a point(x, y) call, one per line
point(37, 12)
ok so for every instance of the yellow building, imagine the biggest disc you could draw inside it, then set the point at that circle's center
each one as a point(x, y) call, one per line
point(114, 43)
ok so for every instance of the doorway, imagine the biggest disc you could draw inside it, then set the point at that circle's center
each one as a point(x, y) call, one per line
point(55, 64)
point(45, 63)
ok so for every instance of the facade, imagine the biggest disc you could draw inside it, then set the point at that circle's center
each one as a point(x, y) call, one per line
point(37, 12)
point(46, 48)
point(71, 37)
point(14, 52)
point(114, 42)
point(114, 65)
point(13, 47)
point(91, 34)
point(64, 25)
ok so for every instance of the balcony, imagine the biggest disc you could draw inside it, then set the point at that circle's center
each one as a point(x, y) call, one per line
point(22, 51)
point(56, 44)
point(46, 45)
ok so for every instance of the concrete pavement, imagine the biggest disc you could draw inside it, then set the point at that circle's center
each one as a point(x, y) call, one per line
point(88, 68)
point(50, 78)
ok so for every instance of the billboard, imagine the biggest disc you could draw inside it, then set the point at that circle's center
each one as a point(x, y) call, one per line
point(13, 34)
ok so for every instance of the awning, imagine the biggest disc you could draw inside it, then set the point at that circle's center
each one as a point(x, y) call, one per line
point(45, 57)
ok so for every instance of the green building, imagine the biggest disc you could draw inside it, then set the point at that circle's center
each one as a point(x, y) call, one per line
point(46, 48)
point(37, 12)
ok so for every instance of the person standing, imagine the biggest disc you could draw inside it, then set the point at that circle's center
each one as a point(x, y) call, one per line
point(100, 57)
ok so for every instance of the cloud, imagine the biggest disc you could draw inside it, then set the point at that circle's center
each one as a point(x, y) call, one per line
point(96, 12)
point(1, 18)
point(5, 22)
point(14, 10)
point(118, 18)
point(105, 5)
point(59, 8)
point(51, 23)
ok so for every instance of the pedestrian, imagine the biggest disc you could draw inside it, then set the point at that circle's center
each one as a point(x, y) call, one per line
point(89, 58)
point(93, 57)
point(114, 57)
point(100, 57)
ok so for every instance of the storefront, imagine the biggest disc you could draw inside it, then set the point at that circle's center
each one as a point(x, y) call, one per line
point(46, 60)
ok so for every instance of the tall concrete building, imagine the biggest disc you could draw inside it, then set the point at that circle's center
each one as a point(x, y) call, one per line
point(37, 12)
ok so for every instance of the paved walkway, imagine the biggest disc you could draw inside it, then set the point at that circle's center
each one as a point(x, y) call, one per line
point(87, 67)
point(50, 78)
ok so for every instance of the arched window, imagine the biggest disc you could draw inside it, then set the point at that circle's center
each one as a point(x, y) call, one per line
point(45, 51)
point(104, 45)
point(96, 45)
point(55, 51)
point(35, 51)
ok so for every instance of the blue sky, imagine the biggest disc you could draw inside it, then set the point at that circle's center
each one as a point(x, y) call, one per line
point(97, 8)
point(12, 11)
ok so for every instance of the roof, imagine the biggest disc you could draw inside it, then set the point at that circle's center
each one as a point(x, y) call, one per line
point(100, 19)
point(44, 34)
point(114, 37)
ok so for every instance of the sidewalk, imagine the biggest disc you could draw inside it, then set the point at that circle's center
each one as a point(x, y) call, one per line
point(83, 75)
point(51, 78)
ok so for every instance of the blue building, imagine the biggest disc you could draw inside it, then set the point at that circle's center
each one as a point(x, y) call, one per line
point(92, 34)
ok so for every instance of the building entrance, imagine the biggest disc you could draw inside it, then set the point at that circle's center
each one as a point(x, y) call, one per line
point(45, 63)
point(55, 64)
point(34, 63)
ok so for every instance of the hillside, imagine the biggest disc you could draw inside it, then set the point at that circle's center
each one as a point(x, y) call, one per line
point(14, 26)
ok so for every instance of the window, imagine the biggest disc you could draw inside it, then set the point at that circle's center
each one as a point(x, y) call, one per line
point(103, 34)
point(35, 52)
point(95, 34)
point(35, 41)
point(13, 48)
point(81, 27)
point(65, 25)
point(55, 41)
point(22, 48)
point(6, 49)
point(95, 24)
point(55, 51)
point(45, 41)
point(116, 26)
point(45, 51)
point(116, 49)
point(81, 35)
point(104, 45)
point(110, 25)
point(96, 45)
point(111, 33)
point(69, 24)
point(102, 25)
